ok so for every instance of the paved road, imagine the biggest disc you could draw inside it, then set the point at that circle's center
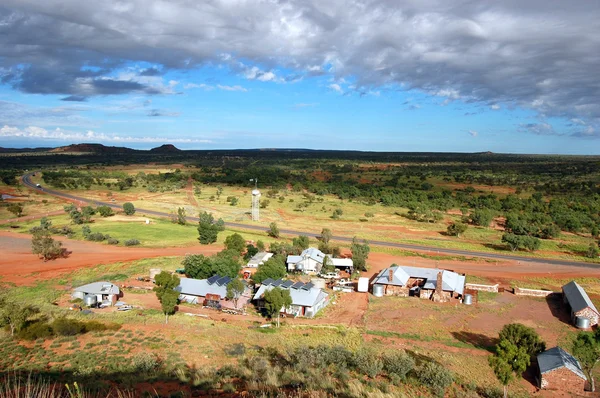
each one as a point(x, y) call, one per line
point(434, 250)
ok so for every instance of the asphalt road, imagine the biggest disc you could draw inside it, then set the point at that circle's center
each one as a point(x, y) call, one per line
point(433, 250)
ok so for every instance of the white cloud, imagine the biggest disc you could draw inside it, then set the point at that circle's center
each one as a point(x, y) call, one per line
point(208, 87)
point(495, 107)
point(473, 133)
point(39, 133)
point(231, 88)
point(336, 87)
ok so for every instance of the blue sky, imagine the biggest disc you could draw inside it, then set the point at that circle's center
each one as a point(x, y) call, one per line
point(383, 77)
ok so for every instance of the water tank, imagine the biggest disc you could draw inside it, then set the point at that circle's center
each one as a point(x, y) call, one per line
point(468, 299)
point(154, 272)
point(255, 192)
point(318, 282)
point(363, 284)
point(90, 300)
point(378, 290)
point(582, 322)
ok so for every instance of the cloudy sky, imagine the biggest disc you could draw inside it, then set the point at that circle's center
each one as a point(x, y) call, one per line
point(414, 75)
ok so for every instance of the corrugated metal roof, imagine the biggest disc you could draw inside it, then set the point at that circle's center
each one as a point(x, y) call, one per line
point(451, 281)
point(341, 262)
point(98, 288)
point(259, 258)
point(577, 297)
point(201, 287)
point(299, 293)
point(556, 358)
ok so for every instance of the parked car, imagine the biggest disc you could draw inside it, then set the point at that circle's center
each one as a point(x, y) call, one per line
point(330, 275)
point(125, 308)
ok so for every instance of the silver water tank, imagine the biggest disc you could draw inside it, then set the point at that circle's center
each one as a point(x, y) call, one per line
point(468, 299)
point(378, 290)
point(582, 322)
point(90, 300)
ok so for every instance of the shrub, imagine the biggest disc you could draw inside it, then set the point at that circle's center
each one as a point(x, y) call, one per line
point(113, 241)
point(398, 363)
point(128, 208)
point(132, 242)
point(104, 211)
point(368, 363)
point(436, 377)
point(37, 330)
point(145, 362)
point(97, 237)
point(369, 214)
point(67, 327)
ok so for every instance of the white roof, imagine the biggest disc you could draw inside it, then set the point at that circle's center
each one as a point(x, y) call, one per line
point(451, 281)
point(98, 288)
point(305, 295)
point(202, 287)
point(342, 262)
point(259, 258)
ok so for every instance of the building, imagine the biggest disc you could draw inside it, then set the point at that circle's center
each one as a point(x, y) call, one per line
point(105, 292)
point(310, 261)
point(580, 303)
point(307, 299)
point(426, 283)
point(256, 260)
point(559, 370)
point(196, 291)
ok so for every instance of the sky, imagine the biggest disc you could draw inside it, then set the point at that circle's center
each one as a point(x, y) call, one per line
point(378, 75)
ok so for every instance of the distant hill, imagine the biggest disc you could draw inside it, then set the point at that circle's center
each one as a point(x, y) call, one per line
point(93, 148)
point(167, 148)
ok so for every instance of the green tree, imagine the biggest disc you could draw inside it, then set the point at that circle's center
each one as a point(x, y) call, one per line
point(16, 209)
point(509, 359)
point(592, 251)
point(360, 253)
point(45, 246)
point(181, 216)
point(273, 268)
point(301, 242)
point(234, 201)
point(277, 299)
point(523, 337)
point(129, 208)
point(516, 242)
point(456, 229)
point(482, 217)
point(197, 266)
point(251, 250)
point(436, 377)
point(105, 211)
point(326, 235)
point(586, 348)
point(273, 230)
point(226, 263)
point(235, 289)
point(86, 213)
point(208, 229)
point(236, 243)
point(14, 315)
point(260, 245)
point(166, 293)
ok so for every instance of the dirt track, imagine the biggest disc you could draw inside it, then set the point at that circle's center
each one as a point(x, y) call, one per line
point(17, 260)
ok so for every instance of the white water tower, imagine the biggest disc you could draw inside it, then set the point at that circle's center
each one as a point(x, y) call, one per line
point(255, 201)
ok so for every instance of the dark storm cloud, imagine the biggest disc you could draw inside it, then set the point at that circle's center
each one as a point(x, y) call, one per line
point(540, 55)
point(150, 72)
point(74, 98)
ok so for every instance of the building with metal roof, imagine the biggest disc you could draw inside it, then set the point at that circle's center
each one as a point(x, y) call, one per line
point(258, 259)
point(560, 370)
point(580, 303)
point(192, 290)
point(307, 299)
point(105, 292)
point(422, 282)
point(310, 261)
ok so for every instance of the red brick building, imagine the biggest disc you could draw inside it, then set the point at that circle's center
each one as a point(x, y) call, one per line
point(560, 371)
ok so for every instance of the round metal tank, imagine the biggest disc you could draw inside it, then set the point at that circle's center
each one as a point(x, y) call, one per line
point(468, 299)
point(378, 290)
point(582, 322)
point(154, 272)
point(318, 282)
point(78, 295)
point(90, 300)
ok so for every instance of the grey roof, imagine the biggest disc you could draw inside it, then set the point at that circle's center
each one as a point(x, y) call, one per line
point(577, 297)
point(451, 281)
point(98, 288)
point(259, 258)
point(556, 358)
point(201, 287)
point(305, 295)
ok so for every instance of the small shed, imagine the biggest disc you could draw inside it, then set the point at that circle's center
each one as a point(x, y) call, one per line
point(105, 292)
point(560, 371)
point(580, 303)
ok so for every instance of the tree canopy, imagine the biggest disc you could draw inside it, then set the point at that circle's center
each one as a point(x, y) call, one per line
point(208, 228)
point(129, 208)
point(165, 284)
point(277, 299)
point(273, 268)
point(236, 243)
point(586, 348)
point(235, 289)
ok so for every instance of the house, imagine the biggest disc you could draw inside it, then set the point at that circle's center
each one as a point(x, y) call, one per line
point(256, 260)
point(427, 283)
point(580, 303)
point(559, 370)
point(212, 290)
point(105, 292)
point(307, 299)
point(310, 261)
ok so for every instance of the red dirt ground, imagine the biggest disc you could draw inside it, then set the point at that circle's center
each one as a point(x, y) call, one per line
point(17, 262)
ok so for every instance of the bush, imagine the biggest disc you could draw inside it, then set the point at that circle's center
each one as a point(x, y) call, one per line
point(436, 377)
point(104, 211)
point(368, 363)
point(128, 208)
point(67, 327)
point(113, 241)
point(132, 242)
point(97, 237)
point(37, 330)
point(145, 362)
point(398, 363)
